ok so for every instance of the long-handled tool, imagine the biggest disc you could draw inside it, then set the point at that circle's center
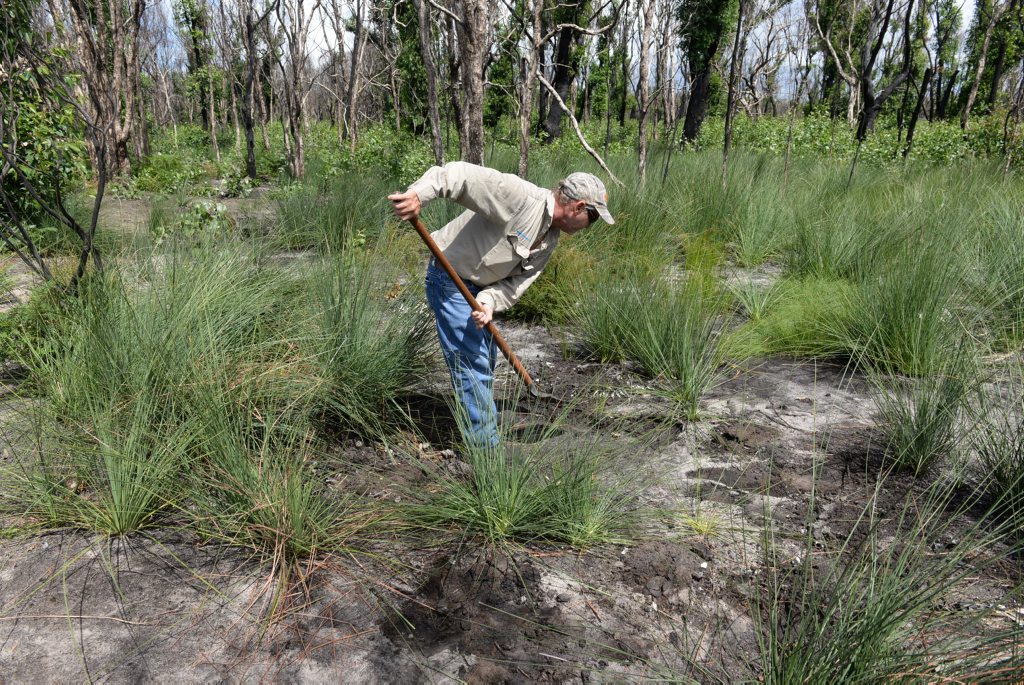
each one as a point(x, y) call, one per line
point(498, 339)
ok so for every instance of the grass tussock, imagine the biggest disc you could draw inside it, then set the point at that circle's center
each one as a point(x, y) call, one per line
point(367, 340)
point(551, 491)
point(673, 331)
point(920, 416)
point(997, 441)
point(174, 371)
point(871, 609)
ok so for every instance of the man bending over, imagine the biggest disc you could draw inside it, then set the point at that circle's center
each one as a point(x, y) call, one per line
point(498, 246)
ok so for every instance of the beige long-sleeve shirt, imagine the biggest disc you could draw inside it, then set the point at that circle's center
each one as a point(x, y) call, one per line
point(504, 239)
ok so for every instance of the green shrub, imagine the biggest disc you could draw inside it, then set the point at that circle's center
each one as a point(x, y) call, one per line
point(202, 222)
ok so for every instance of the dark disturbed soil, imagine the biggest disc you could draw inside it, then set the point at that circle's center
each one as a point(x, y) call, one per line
point(791, 444)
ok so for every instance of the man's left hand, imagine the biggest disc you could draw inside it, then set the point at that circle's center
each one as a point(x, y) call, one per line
point(482, 318)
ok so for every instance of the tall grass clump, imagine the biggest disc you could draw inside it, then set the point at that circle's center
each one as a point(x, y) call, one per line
point(870, 609)
point(366, 339)
point(332, 212)
point(672, 330)
point(565, 494)
point(118, 412)
point(255, 486)
point(795, 318)
point(907, 317)
point(920, 415)
point(838, 234)
point(997, 441)
point(999, 279)
point(754, 213)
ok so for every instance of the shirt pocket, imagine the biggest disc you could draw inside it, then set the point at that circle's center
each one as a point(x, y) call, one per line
point(504, 257)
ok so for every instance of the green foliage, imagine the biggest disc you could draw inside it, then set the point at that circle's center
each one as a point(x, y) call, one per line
point(37, 116)
point(200, 223)
point(871, 608)
point(704, 25)
point(237, 183)
point(398, 158)
point(816, 136)
point(556, 293)
point(367, 338)
point(26, 329)
point(172, 169)
point(567, 495)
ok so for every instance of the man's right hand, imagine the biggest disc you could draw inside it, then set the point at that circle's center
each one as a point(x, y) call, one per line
point(407, 205)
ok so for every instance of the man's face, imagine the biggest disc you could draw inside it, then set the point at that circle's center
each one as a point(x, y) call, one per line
point(578, 215)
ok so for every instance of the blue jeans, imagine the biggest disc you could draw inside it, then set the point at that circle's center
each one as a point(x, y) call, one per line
point(469, 353)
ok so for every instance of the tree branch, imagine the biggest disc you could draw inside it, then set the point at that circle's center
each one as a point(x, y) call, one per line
point(579, 133)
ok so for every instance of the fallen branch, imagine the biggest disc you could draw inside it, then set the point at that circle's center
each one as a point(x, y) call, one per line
point(579, 133)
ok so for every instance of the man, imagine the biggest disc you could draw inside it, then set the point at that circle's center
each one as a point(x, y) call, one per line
point(499, 246)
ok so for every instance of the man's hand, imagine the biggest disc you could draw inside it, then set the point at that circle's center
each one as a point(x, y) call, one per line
point(483, 318)
point(407, 205)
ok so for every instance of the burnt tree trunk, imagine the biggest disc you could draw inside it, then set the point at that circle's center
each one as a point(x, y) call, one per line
point(109, 75)
point(563, 77)
point(643, 91)
point(700, 93)
point(925, 80)
point(433, 111)
point(997, 13)
point(526, 89)
point(474, 45)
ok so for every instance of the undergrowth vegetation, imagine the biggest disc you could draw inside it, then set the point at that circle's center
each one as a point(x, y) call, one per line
point(207, 376)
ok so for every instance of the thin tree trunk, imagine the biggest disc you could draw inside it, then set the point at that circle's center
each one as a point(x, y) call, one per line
point(624, 52)
point(526, 92)
point(730, 107)
point(563, 77)
point(917, 111)
point(997, 13)
point(474, 44)
point(644, 84)
point(427, 55)
point(351, 99)
point(212, 108)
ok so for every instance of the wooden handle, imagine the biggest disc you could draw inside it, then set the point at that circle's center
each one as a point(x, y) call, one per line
point(443, 261)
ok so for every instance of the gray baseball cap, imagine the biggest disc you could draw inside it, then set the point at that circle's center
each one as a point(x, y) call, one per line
point(590, 189)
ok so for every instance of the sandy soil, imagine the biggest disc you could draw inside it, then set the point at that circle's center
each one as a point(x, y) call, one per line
point(73, 607)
